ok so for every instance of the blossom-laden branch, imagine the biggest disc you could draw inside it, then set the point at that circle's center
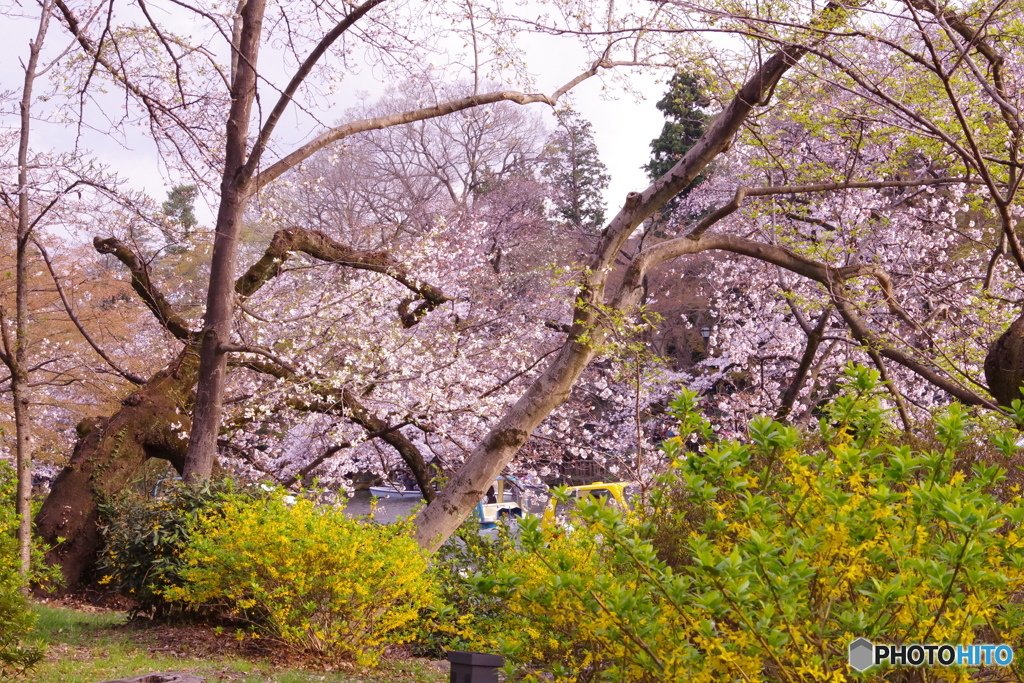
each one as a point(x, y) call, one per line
point(321, 247)
point(333, 401)
point(832, 277)
point(309, 467)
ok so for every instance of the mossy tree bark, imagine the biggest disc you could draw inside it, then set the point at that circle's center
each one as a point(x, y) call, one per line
point(108, 454)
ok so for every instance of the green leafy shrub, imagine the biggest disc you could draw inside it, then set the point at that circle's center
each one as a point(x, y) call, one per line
point(785, 548)
point(16, 619)
point(463, 619)
point(145, 534)
point(309, 575)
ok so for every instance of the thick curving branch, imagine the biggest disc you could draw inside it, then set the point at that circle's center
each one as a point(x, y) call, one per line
point(863, 334)
point(323, 248)
point(143, 285)
point(832, 277)
point(286, 163)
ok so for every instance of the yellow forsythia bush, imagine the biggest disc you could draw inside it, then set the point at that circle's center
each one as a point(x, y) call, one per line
point(763, 559)
point(551, 624)
point(309, 575)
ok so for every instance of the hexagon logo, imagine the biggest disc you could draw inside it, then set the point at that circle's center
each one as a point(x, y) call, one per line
point(862, 654)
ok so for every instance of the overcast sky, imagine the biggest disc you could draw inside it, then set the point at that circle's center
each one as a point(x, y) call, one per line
point(623, 126)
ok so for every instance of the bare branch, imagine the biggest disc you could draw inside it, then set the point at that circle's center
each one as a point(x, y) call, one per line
point(333, 135)
point(742, 192)
point(300, 75)
point(901, 405)
point(142, 283)
point(154, 107)
point(130, 376)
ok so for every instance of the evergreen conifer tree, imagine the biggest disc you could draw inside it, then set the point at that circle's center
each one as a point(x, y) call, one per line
point(683, 107)
point(574, 167)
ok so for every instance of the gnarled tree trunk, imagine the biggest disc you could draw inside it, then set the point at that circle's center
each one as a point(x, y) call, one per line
point(1004, 364)
point(108, 454)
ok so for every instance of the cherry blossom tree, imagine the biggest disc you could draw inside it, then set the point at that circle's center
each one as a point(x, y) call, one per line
point(208, 121)
point(841, 207)
point(947, 150)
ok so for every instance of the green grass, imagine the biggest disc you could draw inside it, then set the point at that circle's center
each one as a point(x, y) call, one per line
point(85, 647)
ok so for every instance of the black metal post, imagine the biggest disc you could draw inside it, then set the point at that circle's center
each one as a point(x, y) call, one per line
point(474, 667)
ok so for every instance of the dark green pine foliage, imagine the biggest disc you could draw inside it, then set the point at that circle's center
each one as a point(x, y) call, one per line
point(572, 164)
point(180, 205)
point(683, 106)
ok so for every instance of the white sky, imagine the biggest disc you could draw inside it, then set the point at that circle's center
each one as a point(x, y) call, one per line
point(623, 126)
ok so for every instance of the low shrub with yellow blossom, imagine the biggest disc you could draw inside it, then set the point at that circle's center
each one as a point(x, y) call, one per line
point(762, 559)
point(144, 535)
point(309, 575)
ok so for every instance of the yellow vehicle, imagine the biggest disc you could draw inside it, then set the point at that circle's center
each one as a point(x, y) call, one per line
point(615, 491)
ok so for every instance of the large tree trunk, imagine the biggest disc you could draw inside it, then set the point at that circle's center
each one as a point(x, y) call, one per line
point(455, 502)
point(220, 300)
point(1004, 364)
point(108, 454)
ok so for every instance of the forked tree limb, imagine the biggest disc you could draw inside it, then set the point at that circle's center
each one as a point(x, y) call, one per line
point(142, 283)
point(329, 137)
point(323, 248)
point(319, 246)
point(814, 337)
point(130, 376)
